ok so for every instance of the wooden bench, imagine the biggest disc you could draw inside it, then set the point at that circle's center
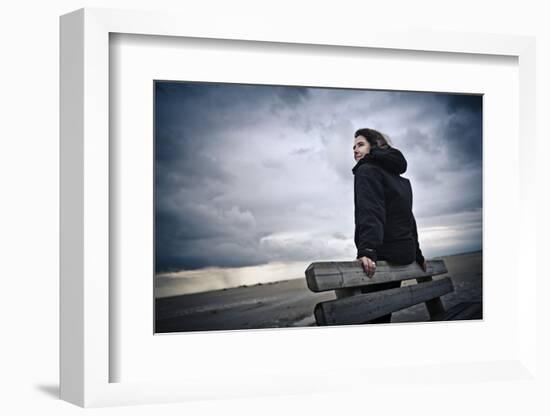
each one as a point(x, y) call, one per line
point(360, 299)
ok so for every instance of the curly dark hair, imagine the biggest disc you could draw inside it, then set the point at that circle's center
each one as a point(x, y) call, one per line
point(374, 137)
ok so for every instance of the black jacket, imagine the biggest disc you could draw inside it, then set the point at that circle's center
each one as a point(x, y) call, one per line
point(385, 228)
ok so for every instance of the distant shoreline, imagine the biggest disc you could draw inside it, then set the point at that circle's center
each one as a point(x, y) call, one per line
point(312, 261)
point(459, 254)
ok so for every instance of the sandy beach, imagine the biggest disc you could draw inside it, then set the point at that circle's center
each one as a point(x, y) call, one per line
point(290, 303)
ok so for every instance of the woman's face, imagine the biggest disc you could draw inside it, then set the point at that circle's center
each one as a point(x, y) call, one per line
point(360, 148)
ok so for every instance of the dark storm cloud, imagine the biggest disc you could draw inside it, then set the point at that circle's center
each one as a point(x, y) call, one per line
point(197, 222)
point(291, 96)
point(441, 136)
point(462, 130)
point(246, 175)
point(445, 127)
point(466, 102)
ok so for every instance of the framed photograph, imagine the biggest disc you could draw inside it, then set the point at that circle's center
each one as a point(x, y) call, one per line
point(254, 183)
point(204, 171)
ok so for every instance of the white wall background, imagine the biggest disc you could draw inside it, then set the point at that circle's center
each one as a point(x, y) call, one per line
point(29, 210)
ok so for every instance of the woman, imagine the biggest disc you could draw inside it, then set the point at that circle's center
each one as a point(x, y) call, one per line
point(385, 228)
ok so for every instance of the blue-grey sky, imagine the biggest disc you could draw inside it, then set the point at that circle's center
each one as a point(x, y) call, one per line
point(250, 175)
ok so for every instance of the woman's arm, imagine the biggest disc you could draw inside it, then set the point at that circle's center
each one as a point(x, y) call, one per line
point(370, 211)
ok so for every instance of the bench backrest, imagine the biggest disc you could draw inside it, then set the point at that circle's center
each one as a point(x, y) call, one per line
point(362, 299)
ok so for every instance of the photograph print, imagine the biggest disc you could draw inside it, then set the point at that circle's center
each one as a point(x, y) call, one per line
point(289, 206)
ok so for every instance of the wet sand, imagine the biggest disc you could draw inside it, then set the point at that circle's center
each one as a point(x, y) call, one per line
point(290, 303)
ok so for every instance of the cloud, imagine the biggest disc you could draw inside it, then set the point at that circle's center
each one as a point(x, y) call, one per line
point(247, 175)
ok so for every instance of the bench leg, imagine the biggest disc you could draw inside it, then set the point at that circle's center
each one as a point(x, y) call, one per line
point(434, 306)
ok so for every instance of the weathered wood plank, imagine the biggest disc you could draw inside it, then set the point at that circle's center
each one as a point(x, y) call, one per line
point(366, 307)
point(322, 276)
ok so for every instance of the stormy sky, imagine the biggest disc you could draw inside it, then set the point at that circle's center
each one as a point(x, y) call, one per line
point(249, 175)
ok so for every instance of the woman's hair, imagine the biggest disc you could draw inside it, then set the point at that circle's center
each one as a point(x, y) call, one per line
point(374, 137)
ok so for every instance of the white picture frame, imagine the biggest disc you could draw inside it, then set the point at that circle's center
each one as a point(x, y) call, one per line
point(85, 353)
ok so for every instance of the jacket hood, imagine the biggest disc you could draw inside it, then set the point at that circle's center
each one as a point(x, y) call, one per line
point(390, 159)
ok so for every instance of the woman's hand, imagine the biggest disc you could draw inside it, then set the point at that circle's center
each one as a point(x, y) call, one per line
point(368, 265)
